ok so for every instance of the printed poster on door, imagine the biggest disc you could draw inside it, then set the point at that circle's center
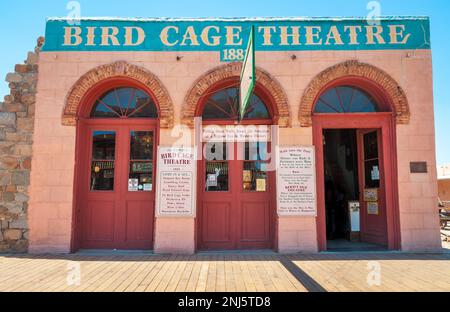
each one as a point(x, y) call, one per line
point(296, 182)
point(176, 182)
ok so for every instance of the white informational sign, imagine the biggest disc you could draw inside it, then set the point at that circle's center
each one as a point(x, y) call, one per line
point(296, 181)
point(176, 182)
point(355, 215)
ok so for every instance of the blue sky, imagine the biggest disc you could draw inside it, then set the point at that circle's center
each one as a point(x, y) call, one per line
point(22, 21)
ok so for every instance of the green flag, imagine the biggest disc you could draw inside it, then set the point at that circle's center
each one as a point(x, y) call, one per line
point(248, 75)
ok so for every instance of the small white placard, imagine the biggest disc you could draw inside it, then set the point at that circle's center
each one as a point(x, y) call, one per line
point(375, 173)
point(133, 185)
point(373, 208)
point(355, 215)
point(212, 180)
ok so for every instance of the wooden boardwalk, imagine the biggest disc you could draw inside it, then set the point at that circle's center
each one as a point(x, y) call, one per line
point(222, 272)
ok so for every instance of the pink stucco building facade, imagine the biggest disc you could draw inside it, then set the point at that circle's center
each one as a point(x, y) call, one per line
point(291, 82)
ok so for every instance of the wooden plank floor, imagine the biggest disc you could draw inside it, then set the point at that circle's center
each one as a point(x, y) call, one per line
point(229, 273)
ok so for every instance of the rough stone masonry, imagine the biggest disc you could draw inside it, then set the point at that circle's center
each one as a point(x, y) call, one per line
point(16, 139)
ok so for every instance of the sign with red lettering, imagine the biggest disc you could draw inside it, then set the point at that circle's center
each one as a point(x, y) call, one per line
point(176, 182)
point(296, 181)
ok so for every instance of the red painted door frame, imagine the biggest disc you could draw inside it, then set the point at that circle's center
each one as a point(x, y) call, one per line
point(373, 227)
point(386, 123)
point(82, 169)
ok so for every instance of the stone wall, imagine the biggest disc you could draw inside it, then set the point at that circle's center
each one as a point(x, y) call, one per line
point(16, 139)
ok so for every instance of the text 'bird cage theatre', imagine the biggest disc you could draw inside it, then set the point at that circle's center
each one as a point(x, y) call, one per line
point(141, 141)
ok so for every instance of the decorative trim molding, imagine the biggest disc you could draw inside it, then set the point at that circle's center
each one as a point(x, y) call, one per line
point(353, 68)
point(118, 69)
point(264, 79)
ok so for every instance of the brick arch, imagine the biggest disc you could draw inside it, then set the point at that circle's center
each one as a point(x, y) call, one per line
point(116, 70)
point(394, 93)
point(214, 76)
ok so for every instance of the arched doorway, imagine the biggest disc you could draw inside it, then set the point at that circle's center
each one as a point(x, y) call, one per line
point(354, 134)
point(236, 206)
point(117, 135)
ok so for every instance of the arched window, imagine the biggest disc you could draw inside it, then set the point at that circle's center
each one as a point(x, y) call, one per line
point(224, 104)
point(125, 103)
point(346, 99)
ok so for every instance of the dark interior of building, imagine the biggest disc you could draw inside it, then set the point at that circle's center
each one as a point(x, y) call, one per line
point(341, 180)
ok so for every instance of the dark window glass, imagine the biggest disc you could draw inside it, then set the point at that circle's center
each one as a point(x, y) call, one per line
point(254, 176)
point(216, 155)
point(217, 176)
point(346, 99)
point(125, 103)
point(141, 162)
point(371, 145)
point(216, 151)
point(103, 161)
point(225, 105)
point(256, 151)
point(371, 160)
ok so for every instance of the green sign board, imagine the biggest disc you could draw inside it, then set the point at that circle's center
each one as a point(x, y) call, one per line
point(230, 36)
point(248, 75)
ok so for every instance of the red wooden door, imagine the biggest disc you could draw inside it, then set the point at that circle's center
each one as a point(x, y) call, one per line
point(116, 206)
point(388, 169)
point(237, 198)
point(372, 180)
point(255, 196)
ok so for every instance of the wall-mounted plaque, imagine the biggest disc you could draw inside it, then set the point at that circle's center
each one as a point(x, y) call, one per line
point(419, 167)
point(176, 182)
point(371, 195)
point(296, 181)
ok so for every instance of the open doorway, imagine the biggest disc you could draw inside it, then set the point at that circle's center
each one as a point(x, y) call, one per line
point(352, 170)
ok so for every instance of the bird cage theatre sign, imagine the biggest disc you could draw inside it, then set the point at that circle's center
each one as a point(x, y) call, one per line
point(230, 37)
point(350, 101)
